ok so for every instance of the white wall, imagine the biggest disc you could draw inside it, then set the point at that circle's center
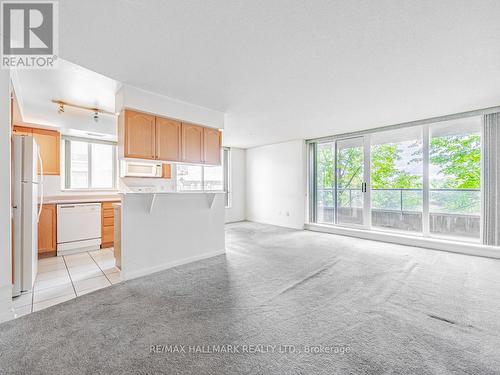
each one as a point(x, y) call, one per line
point(276, 184)
point(142, 100)
point(5, 204)
point(237, 211)
point(159, 184)
point(157, 238)
point(52, 188)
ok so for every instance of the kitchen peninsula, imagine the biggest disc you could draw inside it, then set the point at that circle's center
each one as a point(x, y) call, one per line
point(156, 229)
point(163, 230)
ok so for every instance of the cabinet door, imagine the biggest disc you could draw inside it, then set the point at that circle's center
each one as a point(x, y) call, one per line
point(168, 139)
point(192, 143)
point(21, 130)
point(139, 135)
point(166, 171)
point(47, 226)
point(49, 143)
point(108, 224)
point(212, 146)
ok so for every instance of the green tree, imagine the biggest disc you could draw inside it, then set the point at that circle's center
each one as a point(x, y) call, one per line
point(456, 158)
point(385, 175)
point(459, 161)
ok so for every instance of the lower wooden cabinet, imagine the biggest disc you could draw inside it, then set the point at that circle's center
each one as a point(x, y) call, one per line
point(47, 229)
point(108, 225)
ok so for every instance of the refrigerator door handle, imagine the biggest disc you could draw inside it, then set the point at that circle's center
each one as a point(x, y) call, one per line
point(40, 183)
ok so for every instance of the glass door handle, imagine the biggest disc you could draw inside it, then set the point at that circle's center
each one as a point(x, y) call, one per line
point(363, 187)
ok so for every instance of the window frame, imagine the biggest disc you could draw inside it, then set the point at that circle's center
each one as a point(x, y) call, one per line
point(425, 125)
point(66, 163)
point(226, 177)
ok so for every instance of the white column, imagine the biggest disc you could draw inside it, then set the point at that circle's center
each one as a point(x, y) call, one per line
point(6, 311)
point(367, 210)
point(425, 180)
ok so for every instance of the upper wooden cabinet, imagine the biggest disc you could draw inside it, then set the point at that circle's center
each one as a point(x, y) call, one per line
point(49, 142)
point(22, 130)
point(192, 143)
point(145, 136)
point(139, 134)
point(211, 146)
point(50, 148)
point(168, 139)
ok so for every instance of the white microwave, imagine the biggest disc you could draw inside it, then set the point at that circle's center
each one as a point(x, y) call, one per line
point(129, 168)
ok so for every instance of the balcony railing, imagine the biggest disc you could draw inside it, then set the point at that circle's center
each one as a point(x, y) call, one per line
point(451, 201)
point(454, 212)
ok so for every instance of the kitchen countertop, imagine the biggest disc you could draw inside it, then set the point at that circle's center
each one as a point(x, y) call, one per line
point(81, 198)
point(187, 192)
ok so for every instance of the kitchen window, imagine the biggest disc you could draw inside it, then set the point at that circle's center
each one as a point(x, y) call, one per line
point(205, 177)
point(89, 164)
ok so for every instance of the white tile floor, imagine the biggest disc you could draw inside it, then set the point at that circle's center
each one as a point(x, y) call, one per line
point(62, 278)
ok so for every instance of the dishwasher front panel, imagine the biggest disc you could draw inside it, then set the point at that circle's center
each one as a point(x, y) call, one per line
point(78, 222)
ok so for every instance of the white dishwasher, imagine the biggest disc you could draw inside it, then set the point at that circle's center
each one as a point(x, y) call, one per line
point(78, 227)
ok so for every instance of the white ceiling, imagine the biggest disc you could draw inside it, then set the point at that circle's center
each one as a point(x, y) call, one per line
point(288, 69)
point(35, 90)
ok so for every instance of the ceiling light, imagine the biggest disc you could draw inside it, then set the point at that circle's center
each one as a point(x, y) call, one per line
point(61, 105)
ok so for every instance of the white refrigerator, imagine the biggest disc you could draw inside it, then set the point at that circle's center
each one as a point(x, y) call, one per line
point(26, 183)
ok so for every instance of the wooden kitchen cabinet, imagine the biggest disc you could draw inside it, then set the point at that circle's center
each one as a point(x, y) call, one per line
point(47, 231)
point(49, 142)
point(139, 129)
point(212, 146)
point(22, 130)
point(192, 143)
point(168, 139)
point(145, 136)
point(166, 171)
point(108, 224)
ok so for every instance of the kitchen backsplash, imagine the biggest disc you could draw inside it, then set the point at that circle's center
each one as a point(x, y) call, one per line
point(52, 186)
point(159, 184)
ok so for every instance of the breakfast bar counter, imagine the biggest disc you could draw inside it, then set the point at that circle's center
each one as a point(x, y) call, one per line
point(163, 230)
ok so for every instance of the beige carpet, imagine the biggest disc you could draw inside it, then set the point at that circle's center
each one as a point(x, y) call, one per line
point(366, 307)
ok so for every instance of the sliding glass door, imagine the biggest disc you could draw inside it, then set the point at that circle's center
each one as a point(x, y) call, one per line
point(350, 181)
point(455, 179)
point(324, 164)
point(423, 180)
point(397, 180)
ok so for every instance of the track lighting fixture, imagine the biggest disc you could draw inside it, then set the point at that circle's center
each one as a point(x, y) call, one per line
point(96, 111)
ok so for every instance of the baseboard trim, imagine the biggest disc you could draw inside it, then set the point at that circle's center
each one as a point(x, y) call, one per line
point(161, 267)
point(426, 243)
point(6, 309)
point(294, 227)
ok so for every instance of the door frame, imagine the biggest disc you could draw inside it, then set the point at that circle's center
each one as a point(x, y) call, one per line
point(365, 144)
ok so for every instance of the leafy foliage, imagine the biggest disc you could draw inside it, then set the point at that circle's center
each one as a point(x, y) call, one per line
point(385, 175)
point(459, 161)
point(455, 158)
